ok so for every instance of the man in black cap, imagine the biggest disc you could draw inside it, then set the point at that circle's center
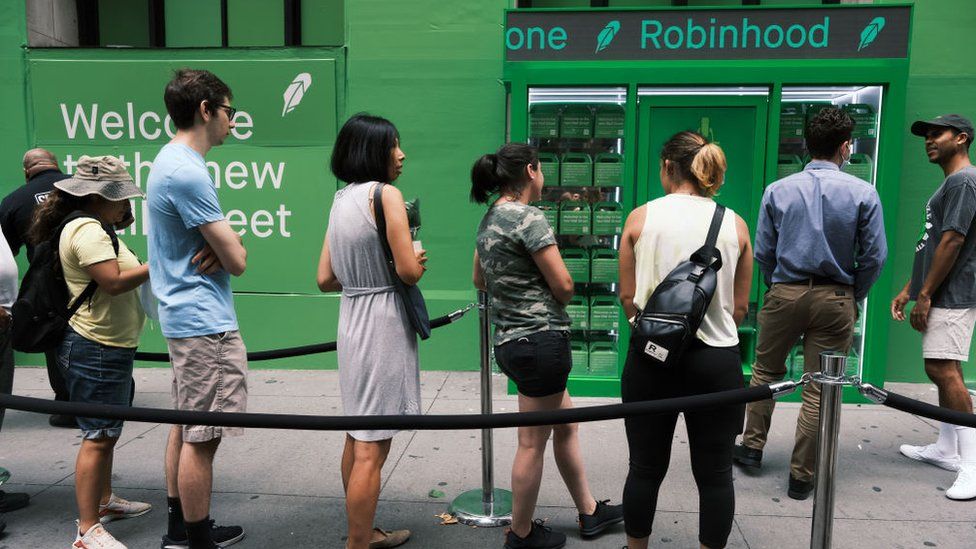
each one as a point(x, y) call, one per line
point(943, 286)
point(41, 172)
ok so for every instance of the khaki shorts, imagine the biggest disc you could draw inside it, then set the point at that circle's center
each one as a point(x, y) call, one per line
point(209, 375)
point(949, 333)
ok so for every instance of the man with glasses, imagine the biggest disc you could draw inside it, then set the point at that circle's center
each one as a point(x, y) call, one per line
point(192, 253)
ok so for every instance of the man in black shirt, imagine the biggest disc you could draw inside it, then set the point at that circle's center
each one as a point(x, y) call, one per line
point(41, 172)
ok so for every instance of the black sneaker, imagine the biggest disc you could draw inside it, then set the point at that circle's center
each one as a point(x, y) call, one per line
point(799, 489)
point(602, 518)
point(223, 536)
point(746, 456)
point(11, 501)
point(61, 420)
point(540, 537)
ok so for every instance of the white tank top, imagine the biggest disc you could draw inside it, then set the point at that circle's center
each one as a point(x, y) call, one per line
point(675, 227)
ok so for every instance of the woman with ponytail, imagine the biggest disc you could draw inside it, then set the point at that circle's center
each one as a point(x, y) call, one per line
point(657, 237)
point(517, 262)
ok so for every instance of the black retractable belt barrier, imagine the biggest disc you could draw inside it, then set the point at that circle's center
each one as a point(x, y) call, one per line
point(304, 349)
point(919, 408)
point(398, 422)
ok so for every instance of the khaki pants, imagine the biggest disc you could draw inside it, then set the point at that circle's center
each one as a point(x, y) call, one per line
point(824, 316)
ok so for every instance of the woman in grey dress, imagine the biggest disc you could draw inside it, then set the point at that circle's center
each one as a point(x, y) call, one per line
point(377, 347)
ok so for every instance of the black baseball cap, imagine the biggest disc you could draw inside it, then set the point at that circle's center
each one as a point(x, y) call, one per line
point(955, 121)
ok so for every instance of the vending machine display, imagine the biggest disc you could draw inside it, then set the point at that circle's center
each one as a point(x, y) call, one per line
point(580, 136)
point(799, 105)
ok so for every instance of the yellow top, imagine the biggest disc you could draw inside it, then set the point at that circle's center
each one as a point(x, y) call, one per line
point(115, 321)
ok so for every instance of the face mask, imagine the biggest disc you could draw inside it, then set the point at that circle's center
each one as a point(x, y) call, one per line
point(845, 162)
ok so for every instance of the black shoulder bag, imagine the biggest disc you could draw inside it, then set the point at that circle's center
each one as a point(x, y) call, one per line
point(413, 300)
point(671, 317)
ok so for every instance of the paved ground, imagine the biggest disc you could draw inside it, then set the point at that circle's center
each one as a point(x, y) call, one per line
point(284, 486)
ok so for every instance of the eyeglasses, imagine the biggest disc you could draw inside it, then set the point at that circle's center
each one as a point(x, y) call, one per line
point(231, 111)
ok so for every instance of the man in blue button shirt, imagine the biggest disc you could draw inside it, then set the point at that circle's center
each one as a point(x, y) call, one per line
point(820, 245)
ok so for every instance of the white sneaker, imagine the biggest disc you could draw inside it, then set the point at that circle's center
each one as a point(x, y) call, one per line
point(965, 485)
point(118, 508)
point(929, 454)
point(97, 537)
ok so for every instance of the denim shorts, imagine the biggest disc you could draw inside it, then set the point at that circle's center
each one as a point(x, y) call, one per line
point(538, 363)
point(96, 374)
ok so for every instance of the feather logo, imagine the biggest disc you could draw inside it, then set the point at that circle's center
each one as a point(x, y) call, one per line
point(295, 91)
point(606, 35)
point(871, 32)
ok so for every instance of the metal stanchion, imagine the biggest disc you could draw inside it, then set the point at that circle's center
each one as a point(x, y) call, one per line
point(833, 366)
point(487, 506)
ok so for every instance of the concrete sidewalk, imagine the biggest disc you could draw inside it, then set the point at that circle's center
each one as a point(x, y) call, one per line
point(284, 487)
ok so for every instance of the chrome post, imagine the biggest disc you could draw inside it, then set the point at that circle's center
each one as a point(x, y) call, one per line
point(832, 365)
point(488, 506)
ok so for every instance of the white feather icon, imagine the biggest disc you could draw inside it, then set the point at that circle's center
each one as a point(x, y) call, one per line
point(295, 91)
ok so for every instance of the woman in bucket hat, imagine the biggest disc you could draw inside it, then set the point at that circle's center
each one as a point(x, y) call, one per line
point(100, 342)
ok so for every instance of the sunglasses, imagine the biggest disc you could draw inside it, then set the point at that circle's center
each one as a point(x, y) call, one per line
point(231, 111)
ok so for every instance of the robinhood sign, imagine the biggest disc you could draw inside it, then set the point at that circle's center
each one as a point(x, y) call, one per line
point(780, 33)
point(271, 172)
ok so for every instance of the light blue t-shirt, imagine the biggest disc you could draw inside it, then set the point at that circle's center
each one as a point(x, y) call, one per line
point(181, 197)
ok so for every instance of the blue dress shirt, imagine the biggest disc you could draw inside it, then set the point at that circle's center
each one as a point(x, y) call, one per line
point(821, 222)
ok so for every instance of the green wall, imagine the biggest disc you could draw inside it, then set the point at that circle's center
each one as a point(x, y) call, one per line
point(434, 68)
point(942, 79)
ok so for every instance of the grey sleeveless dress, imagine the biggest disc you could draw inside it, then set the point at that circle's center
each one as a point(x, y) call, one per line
point(377, 348)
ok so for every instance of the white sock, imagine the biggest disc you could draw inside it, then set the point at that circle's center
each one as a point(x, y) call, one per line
point(967, 444)
point(947, 444)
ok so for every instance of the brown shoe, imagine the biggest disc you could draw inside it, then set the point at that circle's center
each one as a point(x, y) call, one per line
point(394, 538)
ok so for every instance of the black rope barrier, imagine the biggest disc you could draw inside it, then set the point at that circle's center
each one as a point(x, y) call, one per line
point(304, 349)
point(398, 422)
point(924, 409)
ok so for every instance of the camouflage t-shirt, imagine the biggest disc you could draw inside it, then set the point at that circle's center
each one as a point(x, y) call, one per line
point(521, 301)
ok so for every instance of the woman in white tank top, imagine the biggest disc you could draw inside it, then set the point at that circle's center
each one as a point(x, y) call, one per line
point(657, 237)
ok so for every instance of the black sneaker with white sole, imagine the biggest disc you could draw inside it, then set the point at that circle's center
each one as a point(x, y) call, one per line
point(602, 518)
point(222, 536)
point(539, 537)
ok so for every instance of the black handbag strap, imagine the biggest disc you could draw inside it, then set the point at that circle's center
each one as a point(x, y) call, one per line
point(92, 286)
point(709, 254)
point(381, 223)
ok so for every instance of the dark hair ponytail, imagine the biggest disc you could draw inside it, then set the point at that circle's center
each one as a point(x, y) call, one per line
point(49, 214)
point(503, 171)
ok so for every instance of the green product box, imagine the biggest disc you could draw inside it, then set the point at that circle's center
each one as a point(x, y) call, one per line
point(551, 211)
point(576, 170)
point(577, 263)
point(865, 121)
point(860, 166)
point(581, 358)
point(603, 265)
point(608, 170)
point(608, 218)
point(574, 217)
point(747, 344)
point(791, 122)
point(576, 121)
point(550, 168)
point(609, 121)
point(604, 313)
point(544, 121)
point(603, 359)
point(578, 312)
point(788, 164)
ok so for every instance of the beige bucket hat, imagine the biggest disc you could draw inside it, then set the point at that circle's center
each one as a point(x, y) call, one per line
point(105, 176)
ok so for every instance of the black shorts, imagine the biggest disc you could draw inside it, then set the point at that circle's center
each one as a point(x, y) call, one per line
point(538, 363)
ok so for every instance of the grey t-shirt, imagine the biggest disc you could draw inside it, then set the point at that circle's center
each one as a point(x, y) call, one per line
point(521, 301)
point(951, 208)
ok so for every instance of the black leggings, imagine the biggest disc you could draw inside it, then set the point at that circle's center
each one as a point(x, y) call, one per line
point(711, 434)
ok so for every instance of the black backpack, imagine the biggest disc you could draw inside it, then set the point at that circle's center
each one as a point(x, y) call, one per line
point(41, 312)
point(673, 313)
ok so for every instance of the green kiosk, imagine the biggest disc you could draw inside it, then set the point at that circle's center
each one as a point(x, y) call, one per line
point(599, 91)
